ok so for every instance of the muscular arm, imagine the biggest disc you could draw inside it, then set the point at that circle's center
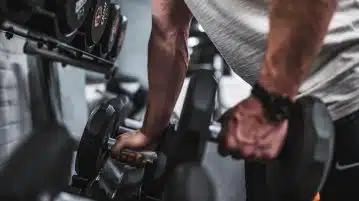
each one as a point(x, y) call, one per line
point(297, 29)
point(167, 61)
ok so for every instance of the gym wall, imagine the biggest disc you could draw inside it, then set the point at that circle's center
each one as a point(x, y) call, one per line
point(15, 117)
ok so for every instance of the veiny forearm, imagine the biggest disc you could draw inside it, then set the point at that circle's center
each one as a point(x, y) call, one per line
point(167, 66)
point(297, 31)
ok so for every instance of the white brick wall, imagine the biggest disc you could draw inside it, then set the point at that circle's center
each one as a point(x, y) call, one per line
point(15, 118)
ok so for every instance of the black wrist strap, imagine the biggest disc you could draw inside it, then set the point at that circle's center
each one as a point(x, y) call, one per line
point(276, 107)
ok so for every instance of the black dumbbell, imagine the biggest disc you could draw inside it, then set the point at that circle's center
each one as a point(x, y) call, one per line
point(71, 14)
point(94, 26)
point(96, 141)
point(303, 163)
point(302, 166)
point(111, 32)
point(60, 19)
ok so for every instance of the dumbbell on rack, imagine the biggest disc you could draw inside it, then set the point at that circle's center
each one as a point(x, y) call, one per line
point(96, 140)
point(94, 169)
point(112, 31)
point(94, 26)
point(60, 19)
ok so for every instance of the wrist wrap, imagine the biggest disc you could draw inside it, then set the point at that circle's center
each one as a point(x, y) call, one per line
point(276, 107)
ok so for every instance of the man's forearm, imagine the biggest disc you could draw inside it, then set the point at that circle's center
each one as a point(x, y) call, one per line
point(297, 30)
point(167, 63)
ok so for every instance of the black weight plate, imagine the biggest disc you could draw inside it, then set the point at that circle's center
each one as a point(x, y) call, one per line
point(70, 14)
point(302, 168)
point(195, 118)
point(198, 106)
point(189, 182)
point(92, 151)
point(99, 21)
point(76, 12)
point(112, 29)
point(123, 107)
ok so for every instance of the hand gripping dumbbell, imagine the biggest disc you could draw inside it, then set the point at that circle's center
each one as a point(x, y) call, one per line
point(96, 142)
point(301, 168)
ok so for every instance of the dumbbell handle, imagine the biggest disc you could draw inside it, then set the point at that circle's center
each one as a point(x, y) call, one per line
point(215, 129)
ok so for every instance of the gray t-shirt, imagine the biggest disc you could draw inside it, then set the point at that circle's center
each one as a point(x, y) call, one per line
point(239, 29)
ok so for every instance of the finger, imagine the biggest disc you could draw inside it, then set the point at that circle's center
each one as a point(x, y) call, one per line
point(269, 134)
point(277, 142)
point(237, 130)
point(231, 142)
point(256, 153)
point(264, 139)
point(247, 150)
point(121, 142)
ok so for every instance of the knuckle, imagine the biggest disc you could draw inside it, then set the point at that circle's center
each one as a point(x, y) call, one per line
point(271, 154)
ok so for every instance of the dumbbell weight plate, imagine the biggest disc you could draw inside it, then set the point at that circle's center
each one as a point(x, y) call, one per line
point(96, 28)
point(302, 167)
point(111, 31)
point(103, 122)
point(92, 151)
point(71, 14)
point(75, 13)
point(195, 118)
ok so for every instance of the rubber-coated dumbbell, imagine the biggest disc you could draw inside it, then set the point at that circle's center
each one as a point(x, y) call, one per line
point(94, 26)
point(301, 168)
point(112, 30)
point(60, 19)
point(70, 14)
point(96, 141)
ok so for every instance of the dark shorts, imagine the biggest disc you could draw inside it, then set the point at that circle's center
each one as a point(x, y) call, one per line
point(342, 182)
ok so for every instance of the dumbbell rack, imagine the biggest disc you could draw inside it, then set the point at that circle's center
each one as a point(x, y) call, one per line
point(55, 50)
